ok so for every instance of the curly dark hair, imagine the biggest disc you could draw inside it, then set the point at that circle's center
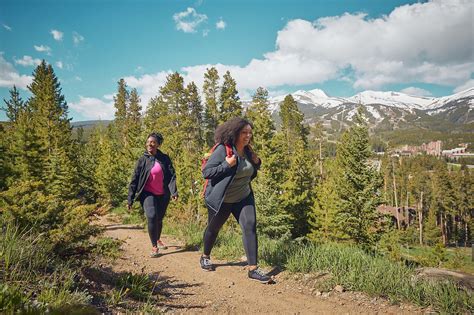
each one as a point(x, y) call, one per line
point(158, 136)
point(229, 131)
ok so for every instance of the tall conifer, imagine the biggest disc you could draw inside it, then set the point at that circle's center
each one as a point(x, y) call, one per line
point(229, 100)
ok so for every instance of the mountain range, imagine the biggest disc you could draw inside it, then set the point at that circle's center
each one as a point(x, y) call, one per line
point(385, 110)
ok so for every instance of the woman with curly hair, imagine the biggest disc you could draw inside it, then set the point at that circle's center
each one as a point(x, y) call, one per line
point(229, 191)
point(153, 183)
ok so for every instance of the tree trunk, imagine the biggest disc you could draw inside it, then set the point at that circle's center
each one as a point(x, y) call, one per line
point(395, 194)
point(407, 212)
point(466, 230)
point(442, 225)
point(420, 218)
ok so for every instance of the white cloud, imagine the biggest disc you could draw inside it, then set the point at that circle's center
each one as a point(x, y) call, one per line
point(467, 85)
point(148, 84)
point(424, 42)
point(93, 108)
point(9, 76)
point(57, 35)
point(27, 61)
point(205, 32)
point(414, 91)
point(109, 97)
point(220, 25)
point(8, 28)
point(43, 48)
point(428, 42)
point(78, 78)
point(59, 64)
point(77, 38)
point(187, 21)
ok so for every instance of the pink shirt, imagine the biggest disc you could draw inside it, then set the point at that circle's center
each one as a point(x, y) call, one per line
point(154, 184)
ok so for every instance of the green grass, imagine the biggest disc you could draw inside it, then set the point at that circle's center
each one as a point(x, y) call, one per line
point(107, 247)
point(30, 270)
point(348, 265)
point(133, 216)
point(453, 258)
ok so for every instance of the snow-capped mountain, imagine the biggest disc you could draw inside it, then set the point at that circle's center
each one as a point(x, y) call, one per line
point(392, 110)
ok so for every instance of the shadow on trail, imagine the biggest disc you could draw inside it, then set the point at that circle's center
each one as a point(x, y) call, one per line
point(111, 227)
point(230, 263)
point(163, 290)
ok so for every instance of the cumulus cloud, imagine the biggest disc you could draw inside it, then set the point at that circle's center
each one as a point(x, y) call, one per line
point(148, 84)
point(467, 85)
point(427, 42)
point(77, 38)
point(220, 25)
point(414, 91)
point(59, 64)
point(8, 28)
point(9, 76)
point(57, 35)
point(93, 108)
point(188, 21)
point(43, 48)
point(78, 78)
point(27, 61)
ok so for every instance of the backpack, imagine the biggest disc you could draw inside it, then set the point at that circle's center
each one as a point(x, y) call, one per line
point(229, 153)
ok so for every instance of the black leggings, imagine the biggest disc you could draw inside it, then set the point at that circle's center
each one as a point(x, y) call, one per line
point(155, 209)
point(244, 213)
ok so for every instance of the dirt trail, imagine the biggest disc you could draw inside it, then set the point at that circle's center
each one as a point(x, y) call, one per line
point(227, 290)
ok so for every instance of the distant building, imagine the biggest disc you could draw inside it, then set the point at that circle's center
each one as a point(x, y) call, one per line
point(431, 148)
point(405, 215)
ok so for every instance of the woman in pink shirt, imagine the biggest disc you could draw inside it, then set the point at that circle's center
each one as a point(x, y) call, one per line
point(153, 183)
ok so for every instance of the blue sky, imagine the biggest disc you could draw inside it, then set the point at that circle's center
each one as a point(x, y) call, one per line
point(342, 47)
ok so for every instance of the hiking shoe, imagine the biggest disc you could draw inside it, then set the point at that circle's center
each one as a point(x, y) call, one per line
point(259, 275)
point(161, 245)
point(206, 264)
point(154, 252)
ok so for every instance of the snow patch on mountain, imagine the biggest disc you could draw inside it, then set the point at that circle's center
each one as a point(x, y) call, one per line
point(394, 99)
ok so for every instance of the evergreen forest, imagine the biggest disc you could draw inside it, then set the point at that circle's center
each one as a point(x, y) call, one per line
point(311, 193)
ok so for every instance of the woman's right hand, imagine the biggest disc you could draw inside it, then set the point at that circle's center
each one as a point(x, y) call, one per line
point(232, 160)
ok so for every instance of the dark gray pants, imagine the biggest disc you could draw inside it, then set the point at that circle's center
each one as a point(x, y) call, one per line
point(244, 213)
point(155, 209)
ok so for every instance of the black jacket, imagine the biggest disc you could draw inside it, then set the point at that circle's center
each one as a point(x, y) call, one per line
point(142, 172)
point(220, 175)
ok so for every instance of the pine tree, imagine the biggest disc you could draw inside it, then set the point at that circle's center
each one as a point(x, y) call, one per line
point(121, 99)
point(229, 101)
point(15, 105)
point(52, 132)
point(134, 123)
point(259, 114)
point(296, 179)
point(359, 185)
point(16, 134)
point(211, 96)
point(292, 122)
point(443, 199)
point(195, 112)
point(323, 218)
point(113, 172)
point(464, 186)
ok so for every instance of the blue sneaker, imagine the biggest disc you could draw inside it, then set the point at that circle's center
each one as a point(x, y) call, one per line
point(206, 263)
point(259, 275)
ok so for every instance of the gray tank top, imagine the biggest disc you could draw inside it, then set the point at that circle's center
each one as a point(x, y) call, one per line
point(239, 188)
